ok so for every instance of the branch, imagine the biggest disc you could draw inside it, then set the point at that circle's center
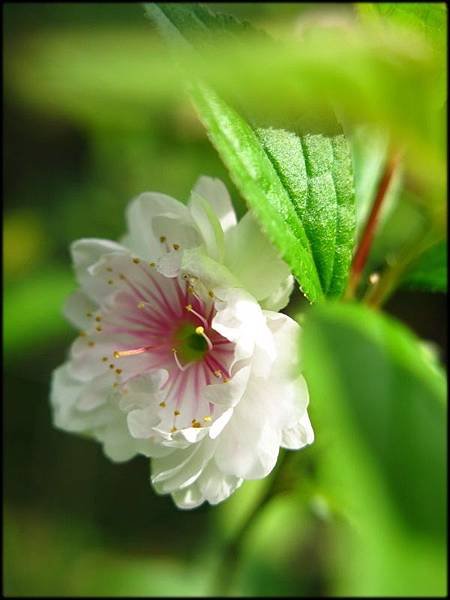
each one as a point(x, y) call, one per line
point(362, 252)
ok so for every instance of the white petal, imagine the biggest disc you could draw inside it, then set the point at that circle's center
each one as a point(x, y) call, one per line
point(214, 485)
point(286, 335)
point(208, 226)
point(211, 273)
point(227, 394)
point(253, 260)
point(280, 297)
point(239, 318)
point(215, 192)
point(169, 264)
point(141, 422)
point(76, 307)
point(85, 254)
point(181, 468)
point(151, 216)
point(188, 498)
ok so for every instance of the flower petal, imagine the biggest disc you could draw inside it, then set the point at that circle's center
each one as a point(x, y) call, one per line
point(215, 192)
point(255, 262)
point(156, 222)
point(85, 254)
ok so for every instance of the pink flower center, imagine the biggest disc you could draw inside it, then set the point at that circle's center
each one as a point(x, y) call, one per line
point(156, 323)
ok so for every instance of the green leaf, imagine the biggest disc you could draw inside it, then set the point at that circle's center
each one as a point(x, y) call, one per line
point(379, 413)
point(300, 188)
point(429, 272)
point(394, 396)
point(428, 18)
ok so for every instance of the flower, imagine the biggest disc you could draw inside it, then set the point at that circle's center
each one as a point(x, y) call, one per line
point(182, 356)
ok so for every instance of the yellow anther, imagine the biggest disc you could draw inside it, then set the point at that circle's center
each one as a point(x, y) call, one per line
point(208, 419)
point(82, 333)
point(141, 305)
point(162, 404)
point(98, 328)
point(173, 429)
point(225, 380)
point(105, 359)
point(121, 276)
point(110, 281)
point(199, 330)
point(115, 354)
point(111, 366)
point(176, 413)
point(136, 261)
point(91, 344)
point(152, 264)
point(162, 239)
point(118, 371)
point(211, 294)
point(218, 373)
point(188, 307)
point(98, 319)
point(176, 246)
point(196, 424)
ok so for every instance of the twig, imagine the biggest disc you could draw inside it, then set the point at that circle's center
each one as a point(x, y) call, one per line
point(362, 252)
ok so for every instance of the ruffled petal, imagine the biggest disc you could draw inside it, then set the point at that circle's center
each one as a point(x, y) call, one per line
point(181, 468)
point(85, 254)
point(77, 309)
point(215, 486)
point(215, 192)
point(254, 261)
point(156, 222)
point(208, 226)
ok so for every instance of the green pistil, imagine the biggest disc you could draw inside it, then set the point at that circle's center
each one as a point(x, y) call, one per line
point(190, 346)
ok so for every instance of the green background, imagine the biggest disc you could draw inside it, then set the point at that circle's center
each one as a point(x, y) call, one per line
point(74, 523)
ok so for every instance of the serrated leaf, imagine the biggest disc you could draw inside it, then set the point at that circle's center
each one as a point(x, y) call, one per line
point(317, 175)
point(259, 183)
point(429, 272)
point(300, 188)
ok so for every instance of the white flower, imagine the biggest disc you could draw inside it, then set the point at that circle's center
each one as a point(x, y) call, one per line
point(181, 357)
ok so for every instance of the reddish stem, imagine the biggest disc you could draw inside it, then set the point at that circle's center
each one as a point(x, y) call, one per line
point(365, 243)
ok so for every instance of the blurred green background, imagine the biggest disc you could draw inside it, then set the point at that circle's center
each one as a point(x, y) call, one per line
point(77, 148)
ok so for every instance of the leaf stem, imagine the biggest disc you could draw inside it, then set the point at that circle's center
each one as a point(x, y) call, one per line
point(387, 283)
point(365, 243)
point(227, 566)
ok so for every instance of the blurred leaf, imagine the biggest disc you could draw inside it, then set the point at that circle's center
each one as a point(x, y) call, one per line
point(385, 78)
point(429, 272)
point(32, 310)
point(428, 18)
point(378, 406)
point(370, 153)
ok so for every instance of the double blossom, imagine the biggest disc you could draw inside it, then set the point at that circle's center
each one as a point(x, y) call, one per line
point(182, 356)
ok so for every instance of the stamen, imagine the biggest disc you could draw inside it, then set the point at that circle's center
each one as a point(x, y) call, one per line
point(198, 315)
point(207, 419)
point(121, 353)
point(201, 331)
point(179, 365)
